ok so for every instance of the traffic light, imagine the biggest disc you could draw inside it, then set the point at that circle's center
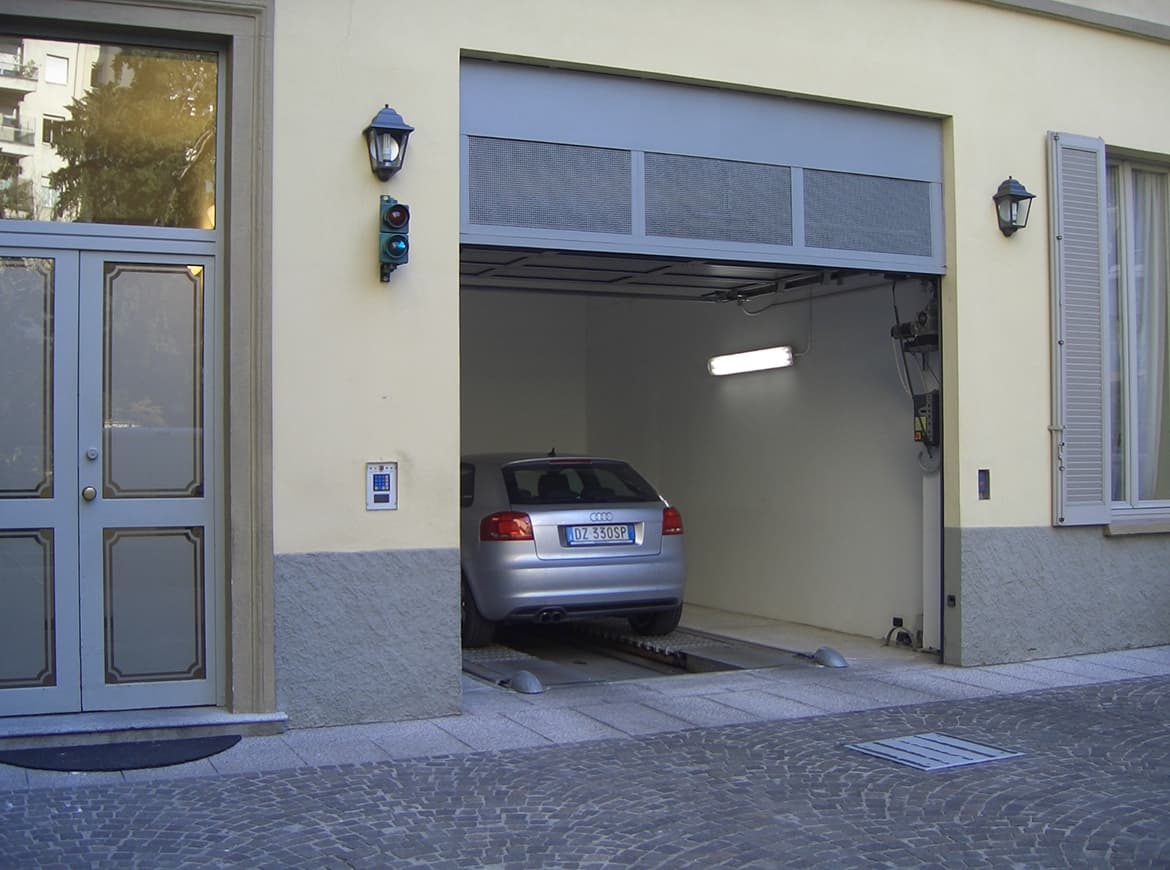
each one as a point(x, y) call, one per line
point(393, 235)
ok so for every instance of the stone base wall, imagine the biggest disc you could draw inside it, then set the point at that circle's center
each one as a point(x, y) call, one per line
point(367, 637)
point(1034, 593)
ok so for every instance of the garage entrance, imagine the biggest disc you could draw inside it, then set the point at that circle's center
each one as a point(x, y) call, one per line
point(805, 496)
point(602, 267)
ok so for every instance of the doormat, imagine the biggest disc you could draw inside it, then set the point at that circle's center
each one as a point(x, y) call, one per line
point(132, 755)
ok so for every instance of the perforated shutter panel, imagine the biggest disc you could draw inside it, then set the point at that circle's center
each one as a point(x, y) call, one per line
point(1081, 420)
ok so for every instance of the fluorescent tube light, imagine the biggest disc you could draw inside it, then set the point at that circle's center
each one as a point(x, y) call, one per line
point(750, 361)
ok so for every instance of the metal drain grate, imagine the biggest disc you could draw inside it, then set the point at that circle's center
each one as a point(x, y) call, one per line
point(932, 751)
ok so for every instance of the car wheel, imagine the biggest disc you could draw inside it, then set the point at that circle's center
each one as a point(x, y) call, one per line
point(663, 622)
point(476, 630)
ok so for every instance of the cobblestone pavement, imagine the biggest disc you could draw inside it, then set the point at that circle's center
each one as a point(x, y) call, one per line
point(1091, 789)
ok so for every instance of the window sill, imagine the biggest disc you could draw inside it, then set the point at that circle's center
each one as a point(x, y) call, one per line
point(1150, 526)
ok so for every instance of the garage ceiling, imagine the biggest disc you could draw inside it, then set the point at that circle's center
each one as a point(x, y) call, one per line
point(629, 276)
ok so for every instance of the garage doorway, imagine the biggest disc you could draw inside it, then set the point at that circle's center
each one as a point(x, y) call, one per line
point(604, 264)
point(805, 494)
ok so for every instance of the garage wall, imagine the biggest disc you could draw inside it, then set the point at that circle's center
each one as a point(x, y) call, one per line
point(772, 469)
point(523, 370)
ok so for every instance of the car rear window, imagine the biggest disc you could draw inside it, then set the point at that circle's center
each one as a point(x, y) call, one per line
point(571, 481)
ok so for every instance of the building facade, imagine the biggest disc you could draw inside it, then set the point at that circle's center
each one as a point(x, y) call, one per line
point(203, 365)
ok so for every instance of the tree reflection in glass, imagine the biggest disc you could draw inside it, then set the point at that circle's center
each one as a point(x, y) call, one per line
point(139, 145)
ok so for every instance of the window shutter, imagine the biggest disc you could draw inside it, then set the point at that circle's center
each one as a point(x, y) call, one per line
point(1080, 428)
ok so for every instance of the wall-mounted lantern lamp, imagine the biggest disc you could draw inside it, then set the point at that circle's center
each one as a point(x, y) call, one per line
point(751, 361)
point(1012, 204)
point(387, 136)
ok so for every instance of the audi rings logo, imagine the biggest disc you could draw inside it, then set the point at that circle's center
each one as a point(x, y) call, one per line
point(601, 516)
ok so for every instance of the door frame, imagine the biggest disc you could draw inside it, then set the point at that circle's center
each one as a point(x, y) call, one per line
point(243, 31)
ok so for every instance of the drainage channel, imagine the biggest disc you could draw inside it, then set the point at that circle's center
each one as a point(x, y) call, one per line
point(605, 651)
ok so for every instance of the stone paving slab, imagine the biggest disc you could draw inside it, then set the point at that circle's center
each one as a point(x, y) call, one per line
point(200, 767)
point(1099, 671)
point(1041, 676)
point(260, 753)
point(936, 685)
point(829, 698)
point(709, 684)
point(320, 746)
point(882, 693)
point(562, 725)
point(633, 718)
point(997, 681)
point(1134, 662)
point(417, 739)
point(1092, 789)
point(767, 705)
point(492, 732)
point(704, 712)
point(12, 777)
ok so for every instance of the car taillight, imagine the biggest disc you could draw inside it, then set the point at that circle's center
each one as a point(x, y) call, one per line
point(506, 526)
point(671, 521)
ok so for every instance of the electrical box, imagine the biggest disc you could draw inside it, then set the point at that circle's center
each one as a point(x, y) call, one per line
point(927, 418)
point(381, 486)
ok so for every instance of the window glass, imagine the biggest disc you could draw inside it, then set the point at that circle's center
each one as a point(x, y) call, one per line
point(49, 127)
point(1138, 297)
point(1151, 373)
point(130, 140)
point(56, 70)
point(575, 481)
point(1117, 336)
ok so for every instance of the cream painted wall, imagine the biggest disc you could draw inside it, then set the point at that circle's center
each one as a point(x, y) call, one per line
point(367, 371)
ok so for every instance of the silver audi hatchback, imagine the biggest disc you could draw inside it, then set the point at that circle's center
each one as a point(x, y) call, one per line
point(551, 538)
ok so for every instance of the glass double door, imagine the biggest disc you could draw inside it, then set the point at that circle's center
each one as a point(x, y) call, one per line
point(108, 589)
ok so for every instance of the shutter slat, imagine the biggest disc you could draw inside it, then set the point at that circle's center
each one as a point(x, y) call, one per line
point(1080, 413)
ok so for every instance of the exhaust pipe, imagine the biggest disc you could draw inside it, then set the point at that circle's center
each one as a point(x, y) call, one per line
point(551, 614)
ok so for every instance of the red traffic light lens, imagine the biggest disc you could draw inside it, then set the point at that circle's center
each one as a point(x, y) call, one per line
point(396, 217)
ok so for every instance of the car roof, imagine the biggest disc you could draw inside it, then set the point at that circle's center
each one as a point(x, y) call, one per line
point(507, 458)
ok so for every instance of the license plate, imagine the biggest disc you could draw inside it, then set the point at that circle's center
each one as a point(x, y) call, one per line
point(587, 536)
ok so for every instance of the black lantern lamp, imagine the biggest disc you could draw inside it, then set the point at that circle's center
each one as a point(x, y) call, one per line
point(387, 136)
point(1012, 204)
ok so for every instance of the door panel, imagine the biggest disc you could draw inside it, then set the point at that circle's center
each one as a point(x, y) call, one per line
point(39, 666)
point(148, 612)
point(108, 591)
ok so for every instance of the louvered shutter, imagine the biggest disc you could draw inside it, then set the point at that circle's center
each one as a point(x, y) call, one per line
point(1080, 394)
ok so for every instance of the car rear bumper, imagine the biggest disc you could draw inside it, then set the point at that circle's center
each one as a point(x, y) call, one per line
point(521, 590)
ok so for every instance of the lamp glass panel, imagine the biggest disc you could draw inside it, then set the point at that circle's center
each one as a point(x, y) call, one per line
point(1022, 207)
point(388, 147)
point(1004, 208)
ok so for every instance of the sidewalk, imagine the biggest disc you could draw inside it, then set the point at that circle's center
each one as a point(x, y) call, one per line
point(499, 719)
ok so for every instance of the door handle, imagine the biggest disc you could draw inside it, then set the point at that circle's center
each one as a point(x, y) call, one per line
point(89, 493)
